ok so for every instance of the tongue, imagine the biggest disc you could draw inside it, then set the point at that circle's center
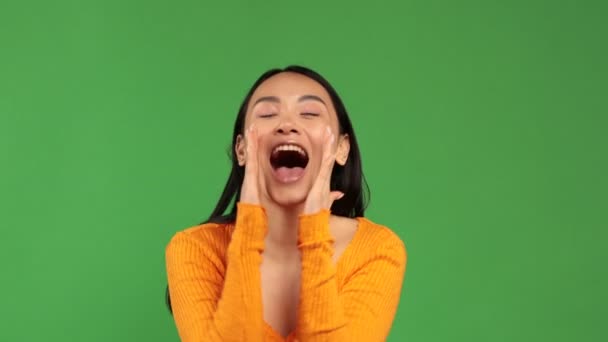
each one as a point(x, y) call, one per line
point(289, 174)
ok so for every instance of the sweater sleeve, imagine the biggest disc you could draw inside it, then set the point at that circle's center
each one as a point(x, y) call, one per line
point(365, 307)
point(211, 306)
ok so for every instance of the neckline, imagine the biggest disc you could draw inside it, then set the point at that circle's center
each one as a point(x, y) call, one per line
point(275, 334)
point(356, 237)
point(360, 223)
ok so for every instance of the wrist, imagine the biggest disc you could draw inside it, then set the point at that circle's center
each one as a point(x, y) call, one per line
point(314, 227)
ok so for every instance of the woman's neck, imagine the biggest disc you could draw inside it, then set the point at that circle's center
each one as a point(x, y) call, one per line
point(282, 234)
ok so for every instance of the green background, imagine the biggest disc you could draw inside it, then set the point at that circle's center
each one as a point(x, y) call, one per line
point(482, 126)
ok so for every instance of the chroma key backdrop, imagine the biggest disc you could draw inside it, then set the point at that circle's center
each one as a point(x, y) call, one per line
point(482, 127)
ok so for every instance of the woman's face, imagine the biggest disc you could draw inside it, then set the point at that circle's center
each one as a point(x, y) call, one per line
point(291, 113)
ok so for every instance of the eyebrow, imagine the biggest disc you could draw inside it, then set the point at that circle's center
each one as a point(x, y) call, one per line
point(311, 97)
point(267, 98)
point(301, 99)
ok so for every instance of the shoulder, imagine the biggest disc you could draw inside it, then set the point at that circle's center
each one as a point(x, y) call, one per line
point(380, 239)
point(375, 249)
point(209, 238)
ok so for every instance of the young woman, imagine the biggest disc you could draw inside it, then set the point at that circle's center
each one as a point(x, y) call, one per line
point(294, 259)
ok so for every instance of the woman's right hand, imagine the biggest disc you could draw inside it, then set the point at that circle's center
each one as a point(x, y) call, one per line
point(253, 180)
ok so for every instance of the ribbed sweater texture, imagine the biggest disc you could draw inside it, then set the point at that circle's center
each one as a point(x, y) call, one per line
point(213, 272)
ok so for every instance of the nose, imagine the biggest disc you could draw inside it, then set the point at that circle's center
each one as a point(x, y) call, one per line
point(286, 126)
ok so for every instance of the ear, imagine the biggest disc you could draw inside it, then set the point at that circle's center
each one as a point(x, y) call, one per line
point(239, 149)
point(343, 149)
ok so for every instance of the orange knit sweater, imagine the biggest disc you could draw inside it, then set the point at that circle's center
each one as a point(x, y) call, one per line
point(213, 272)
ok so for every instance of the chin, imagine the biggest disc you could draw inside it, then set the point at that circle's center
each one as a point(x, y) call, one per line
point(288, 197)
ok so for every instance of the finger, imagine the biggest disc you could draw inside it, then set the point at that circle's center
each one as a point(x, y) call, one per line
point(260, 175)
point(249, 190)
point(328, 159)
point(251, 148)
point(334, 196)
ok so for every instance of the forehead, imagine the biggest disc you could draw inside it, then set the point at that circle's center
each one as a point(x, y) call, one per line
point(290, 86)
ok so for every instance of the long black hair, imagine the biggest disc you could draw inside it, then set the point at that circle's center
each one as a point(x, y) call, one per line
point(348, 179)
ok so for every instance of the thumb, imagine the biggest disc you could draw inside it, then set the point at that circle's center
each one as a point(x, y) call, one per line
point(334, 196)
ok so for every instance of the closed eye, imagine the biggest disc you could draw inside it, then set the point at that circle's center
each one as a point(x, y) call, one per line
point(266, 115)
point(311, 114)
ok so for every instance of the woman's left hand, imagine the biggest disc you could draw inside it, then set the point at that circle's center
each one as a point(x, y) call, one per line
point(320, 195)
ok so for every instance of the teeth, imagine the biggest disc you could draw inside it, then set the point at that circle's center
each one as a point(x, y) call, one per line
point(289, 147)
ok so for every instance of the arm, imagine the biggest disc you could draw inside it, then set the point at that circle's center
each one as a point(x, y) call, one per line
point(211, 306)
point(364, 309)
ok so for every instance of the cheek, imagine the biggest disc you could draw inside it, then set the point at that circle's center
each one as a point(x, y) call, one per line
point(316, 129)
point(316, 136)
point(265, 139)
point(264, 128)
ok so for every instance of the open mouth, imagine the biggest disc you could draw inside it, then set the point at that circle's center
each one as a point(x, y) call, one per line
point(288, 162)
